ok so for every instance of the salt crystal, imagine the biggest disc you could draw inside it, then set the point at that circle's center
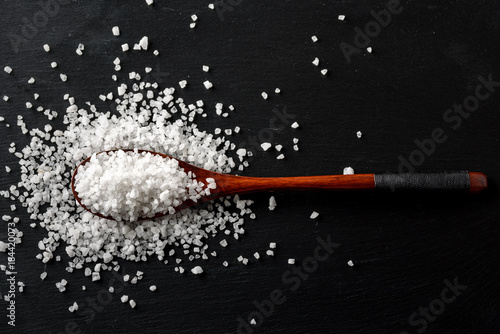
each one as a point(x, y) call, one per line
point(208, 84)
point(272, 203)
point(348, 171)
point(266, 146)
point(314, 215)
point(197, 270)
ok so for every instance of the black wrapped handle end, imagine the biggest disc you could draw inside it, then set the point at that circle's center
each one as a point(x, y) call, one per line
point(471, 182)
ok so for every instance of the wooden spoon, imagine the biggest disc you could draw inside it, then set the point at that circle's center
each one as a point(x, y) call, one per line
point(470, 182)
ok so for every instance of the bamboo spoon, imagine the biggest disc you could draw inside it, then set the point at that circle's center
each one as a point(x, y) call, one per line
point(471, 182)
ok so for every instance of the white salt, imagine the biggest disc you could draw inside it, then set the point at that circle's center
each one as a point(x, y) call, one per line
point(272, 203)
point(348, 171)
point(266, 146)
point(130, 185)
point(197, 270)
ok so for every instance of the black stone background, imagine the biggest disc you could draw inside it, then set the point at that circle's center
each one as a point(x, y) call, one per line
point(428, 58)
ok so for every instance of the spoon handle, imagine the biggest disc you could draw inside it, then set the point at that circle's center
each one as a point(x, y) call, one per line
point(451, 181)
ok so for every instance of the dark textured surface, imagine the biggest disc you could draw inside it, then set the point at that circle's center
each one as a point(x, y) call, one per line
point(425, 61)
point(443, 181)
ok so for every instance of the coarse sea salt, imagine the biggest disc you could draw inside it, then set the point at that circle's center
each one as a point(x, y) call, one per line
point(158, 121)
point(131, 185)
point(348, 171)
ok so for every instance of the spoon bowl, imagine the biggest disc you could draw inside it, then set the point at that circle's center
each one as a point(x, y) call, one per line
point(467, 182)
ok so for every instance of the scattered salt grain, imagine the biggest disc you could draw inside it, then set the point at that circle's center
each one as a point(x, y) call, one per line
point(205, 68)
point(272, 203)
point(272, 245)
point(79, 49)
point(7, 69)
point(253, 322)
point(278, 147)
point(291, 261)
point(194, 17)
point(149, 2)
point(124, 298)
point(324, 71)
point(314, 215)
point(341, 17)
point(266, 146)
point(116, 31)
point(256, 255)
point(316, 61)
point(208, 84)
point(125, 47)
point(5, 98)
point(46, 47)
point(31, 81)
point(277, 90)
point(144, 43)
point(369, 49)
point(197, 270)
point(132, 303)
point(152, 288)
point(280, 157)
point(211, 6)
point(350, 263)
point(53, 64)
point(225, 263)
point(359, 134)
point(348, 171)
point(192, 25)
point(3, 246)
point(264, 95)
point(295, 125)
point(63, 77)
point(314, 39)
